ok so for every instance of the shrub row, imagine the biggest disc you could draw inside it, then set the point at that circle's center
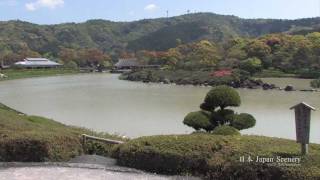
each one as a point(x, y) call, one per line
point(216, 157)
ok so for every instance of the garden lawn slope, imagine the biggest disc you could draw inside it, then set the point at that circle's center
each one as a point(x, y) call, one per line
point(35, 139)
point(217, 157)
point(30, 73)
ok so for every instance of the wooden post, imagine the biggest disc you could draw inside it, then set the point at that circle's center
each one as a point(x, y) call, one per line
point(84, 143)
point(302, 120)
point(304, 149)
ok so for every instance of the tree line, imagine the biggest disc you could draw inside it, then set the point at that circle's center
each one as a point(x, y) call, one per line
point(288, 53)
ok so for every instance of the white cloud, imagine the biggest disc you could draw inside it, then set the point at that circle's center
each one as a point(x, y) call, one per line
point(8, 3)
point(151, 7)
point(51, 4)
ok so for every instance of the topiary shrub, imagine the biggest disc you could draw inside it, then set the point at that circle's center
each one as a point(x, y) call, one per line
point(225, 130)
point(243, 121)
point(215, 114)
point(199, 120)
point(222, 96)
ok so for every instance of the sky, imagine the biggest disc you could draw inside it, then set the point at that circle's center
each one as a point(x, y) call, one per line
point(60, 11)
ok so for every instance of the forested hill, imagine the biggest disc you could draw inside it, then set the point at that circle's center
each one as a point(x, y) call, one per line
point(150, 34)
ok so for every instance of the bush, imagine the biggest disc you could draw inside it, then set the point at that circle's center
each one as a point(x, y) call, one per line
point(308, 74)
point(243, 121)
point(198, 120)
point(24, 150)
point(315, 83)
point(216, 157)
point(225, 130)
point(71, 65)
point(222, 96)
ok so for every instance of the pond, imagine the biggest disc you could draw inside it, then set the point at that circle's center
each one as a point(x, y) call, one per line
point(103, 103)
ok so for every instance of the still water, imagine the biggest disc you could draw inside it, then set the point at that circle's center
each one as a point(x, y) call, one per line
point(104, 103)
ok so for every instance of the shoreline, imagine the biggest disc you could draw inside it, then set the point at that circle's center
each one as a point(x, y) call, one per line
point(15, 74)
point(254, 83)
point(203, 79)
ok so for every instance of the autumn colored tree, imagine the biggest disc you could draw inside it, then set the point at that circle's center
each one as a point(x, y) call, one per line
point(67, 54)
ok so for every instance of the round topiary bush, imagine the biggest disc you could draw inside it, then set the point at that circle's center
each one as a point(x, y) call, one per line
point(199, 120)
point(222, 96)
point(225, 130)
point(243, 121)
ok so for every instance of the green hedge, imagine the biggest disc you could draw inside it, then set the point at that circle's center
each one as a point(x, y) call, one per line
point(24, 150)
point(225, 130)
point(216, 157)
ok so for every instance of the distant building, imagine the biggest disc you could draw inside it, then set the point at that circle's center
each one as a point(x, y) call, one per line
point(37, 63)
point(133, 63)
point(128, 63)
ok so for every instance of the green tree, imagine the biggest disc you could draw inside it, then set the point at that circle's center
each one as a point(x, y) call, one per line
point(252, 65)
point(71, 65)
point(258, 49)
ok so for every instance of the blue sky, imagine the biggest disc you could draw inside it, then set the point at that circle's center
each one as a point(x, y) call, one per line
point(58, 11)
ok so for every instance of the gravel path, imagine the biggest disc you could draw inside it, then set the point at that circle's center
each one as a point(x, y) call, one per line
point(87, 167)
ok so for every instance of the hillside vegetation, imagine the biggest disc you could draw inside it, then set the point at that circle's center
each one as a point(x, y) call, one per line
point(150, 34)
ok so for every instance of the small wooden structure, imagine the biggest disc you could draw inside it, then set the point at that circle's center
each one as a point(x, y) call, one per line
point(86, 137)
point(302, 120)
point(132, 63)
point(128, 63)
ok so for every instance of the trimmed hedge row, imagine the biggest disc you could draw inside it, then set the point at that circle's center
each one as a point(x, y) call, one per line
point(23, 150)
point(216, 157)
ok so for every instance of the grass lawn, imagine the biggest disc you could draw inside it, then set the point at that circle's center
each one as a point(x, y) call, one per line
point(37, 139)
point(29, 73)
point(218, 157)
